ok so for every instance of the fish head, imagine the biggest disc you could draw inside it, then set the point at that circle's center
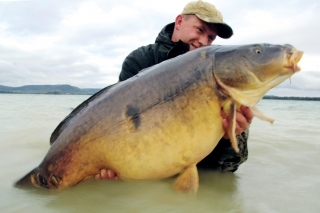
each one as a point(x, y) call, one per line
point(247, 72)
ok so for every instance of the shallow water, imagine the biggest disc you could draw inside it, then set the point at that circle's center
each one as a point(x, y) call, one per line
point(281, 174)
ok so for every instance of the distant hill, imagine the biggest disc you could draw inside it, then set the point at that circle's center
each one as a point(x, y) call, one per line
point(291, 98)
point(65, 89)
point(48, 89)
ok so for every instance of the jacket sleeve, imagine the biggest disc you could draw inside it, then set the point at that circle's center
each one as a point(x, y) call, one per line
point(134, 63)
point(224, 158)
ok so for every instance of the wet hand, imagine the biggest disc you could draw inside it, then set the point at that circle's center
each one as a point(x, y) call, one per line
point(106, 174)
point(244, 118)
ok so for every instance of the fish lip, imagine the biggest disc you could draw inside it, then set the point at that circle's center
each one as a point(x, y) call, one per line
point(293, 58)
point(299, 55)
point(54, 181)
point(294, 68)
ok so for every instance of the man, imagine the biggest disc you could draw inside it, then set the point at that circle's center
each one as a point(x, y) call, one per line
point(197, 26)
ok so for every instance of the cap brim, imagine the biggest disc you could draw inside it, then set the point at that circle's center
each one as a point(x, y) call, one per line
point(224, 31)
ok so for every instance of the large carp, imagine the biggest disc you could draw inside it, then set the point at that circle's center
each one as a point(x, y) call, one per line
point(164, 120)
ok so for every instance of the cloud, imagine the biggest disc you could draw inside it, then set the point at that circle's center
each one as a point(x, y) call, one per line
point(303, 80)
point(83, 43)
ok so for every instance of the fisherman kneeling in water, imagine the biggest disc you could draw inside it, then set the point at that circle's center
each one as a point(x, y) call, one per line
point(197, 26)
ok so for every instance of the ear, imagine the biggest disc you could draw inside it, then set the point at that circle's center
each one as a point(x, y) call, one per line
point(178, 21)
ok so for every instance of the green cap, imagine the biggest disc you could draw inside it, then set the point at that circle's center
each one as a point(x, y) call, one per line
point(208, 13)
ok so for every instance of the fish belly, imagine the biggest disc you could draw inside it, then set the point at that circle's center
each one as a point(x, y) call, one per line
point(165, 143)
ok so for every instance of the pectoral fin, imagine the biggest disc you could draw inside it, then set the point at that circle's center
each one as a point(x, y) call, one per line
point(230, 110)
point(188, 180)
point(256, 112)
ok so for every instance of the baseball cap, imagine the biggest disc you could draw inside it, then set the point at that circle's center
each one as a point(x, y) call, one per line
point(208, 13)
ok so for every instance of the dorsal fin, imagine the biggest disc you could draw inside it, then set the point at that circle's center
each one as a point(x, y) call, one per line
point(77, 111)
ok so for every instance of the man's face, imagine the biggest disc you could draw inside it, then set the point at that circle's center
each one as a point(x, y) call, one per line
point(192, 30)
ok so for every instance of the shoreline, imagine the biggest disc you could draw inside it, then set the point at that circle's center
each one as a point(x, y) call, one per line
point(86, 93)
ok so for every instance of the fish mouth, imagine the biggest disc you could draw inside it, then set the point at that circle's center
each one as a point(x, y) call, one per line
point(293, 57)
point(53, 182)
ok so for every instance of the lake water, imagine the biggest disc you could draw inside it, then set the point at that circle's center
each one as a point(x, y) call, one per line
point(282, 173)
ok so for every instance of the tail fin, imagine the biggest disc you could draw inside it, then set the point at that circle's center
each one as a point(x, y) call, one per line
point(28, 179)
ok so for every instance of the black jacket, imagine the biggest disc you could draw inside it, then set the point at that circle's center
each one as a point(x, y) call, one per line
point(147, 56)
point(223, 157)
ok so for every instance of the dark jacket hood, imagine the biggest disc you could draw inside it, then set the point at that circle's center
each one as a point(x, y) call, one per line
point(164, 37)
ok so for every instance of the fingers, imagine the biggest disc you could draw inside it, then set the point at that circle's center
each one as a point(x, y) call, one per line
point(106, 174)
point(244, 118)
point(247, 113)
point(97, 177)
point(225, 125)
point(241, 123)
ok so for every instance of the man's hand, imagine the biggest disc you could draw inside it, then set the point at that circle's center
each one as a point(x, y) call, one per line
point(106, 174)
point(244, 118)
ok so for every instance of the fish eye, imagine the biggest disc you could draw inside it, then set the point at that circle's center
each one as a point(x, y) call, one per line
point(258, 51)
point(42, 181)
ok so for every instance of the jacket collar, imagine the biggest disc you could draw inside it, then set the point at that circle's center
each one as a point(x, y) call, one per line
point(175, 48)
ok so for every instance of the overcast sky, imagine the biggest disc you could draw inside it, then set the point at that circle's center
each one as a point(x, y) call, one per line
point(83, 43)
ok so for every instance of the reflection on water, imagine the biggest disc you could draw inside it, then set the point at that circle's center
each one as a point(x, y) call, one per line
point(281, 174)
point(146, 196)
